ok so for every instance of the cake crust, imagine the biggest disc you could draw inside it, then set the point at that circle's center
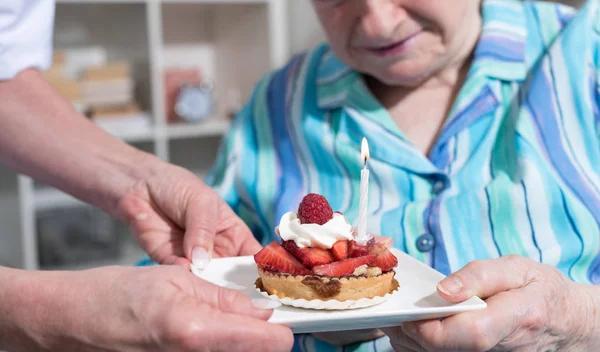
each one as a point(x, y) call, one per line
point(310, 287)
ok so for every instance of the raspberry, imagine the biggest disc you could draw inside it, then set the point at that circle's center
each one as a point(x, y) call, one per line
point(314, 209)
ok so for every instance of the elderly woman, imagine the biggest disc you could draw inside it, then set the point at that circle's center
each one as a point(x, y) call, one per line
point(482, 121)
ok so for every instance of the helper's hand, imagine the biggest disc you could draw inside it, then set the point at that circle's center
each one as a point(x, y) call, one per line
point(177, 218)
point(161, 308)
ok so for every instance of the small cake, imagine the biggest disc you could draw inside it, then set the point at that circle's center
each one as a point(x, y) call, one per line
point(319, 258)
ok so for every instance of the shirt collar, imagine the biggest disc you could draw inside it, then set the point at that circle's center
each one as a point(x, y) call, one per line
point(499, 54)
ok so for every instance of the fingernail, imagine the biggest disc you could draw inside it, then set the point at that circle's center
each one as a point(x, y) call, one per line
point(409, 329)
point(450, 285)
point(200, 258)
point(263, 303)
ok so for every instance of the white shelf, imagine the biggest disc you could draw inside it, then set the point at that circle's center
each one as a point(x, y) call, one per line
point(249, 39)
point(141, 134)
point(212, 2)
point(212, 128)
point(102, 1)
point(131, 253)
point(215, 2)
point(50, 198)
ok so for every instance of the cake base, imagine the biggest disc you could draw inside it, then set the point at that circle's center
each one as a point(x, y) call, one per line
point(312, 287)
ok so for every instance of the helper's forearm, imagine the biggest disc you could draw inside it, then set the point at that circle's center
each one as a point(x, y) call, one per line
point(20, 307)
point(41, 135)
point(59, 311)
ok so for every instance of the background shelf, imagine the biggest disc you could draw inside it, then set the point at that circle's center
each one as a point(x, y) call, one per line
point(214, 128)
point(232, 42)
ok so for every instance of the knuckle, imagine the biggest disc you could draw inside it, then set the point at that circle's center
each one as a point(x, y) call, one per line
point(186, 337)
point(535, 317)
point(475, 266)
point(477, 269)
point(516, 259)
point(226, 298)
point(481, 337)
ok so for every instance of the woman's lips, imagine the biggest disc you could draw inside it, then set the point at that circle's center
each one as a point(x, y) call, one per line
point(395, 49)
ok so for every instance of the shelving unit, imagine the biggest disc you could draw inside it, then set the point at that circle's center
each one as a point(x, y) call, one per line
point(250, 39)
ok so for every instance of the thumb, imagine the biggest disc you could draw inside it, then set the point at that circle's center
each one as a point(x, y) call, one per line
point(201, 216)
point(485, 278)
point(234, 302)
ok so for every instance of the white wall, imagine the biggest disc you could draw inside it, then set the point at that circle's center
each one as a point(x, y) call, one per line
point(10, 231)
point(305, 29)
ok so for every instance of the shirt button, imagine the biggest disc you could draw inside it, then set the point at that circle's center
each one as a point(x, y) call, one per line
point(425, 242)
point(439, 186)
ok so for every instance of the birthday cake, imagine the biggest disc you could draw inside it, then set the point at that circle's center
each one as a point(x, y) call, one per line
point(321, 258)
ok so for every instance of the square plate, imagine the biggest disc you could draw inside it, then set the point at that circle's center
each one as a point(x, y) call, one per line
point(416, 299)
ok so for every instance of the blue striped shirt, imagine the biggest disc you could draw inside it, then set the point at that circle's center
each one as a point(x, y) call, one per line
point(515, 169)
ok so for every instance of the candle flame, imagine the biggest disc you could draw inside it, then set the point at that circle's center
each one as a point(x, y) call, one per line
point(364, 151)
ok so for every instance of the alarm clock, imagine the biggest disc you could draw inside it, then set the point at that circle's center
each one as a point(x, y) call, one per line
point(195, 103)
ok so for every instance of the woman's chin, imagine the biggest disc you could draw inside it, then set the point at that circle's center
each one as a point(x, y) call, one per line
point(405, 74)
point(403, 79)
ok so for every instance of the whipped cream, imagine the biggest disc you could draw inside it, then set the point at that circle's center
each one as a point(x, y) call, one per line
point(314, 235)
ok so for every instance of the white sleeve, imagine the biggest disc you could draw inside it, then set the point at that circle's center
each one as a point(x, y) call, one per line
point(25, 35)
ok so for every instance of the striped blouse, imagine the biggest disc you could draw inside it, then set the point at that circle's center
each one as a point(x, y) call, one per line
point(515, 169)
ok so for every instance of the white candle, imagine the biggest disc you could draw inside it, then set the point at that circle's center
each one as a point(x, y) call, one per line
point(362, 236)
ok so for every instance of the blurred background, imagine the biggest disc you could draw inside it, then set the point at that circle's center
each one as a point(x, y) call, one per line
point(166, 76)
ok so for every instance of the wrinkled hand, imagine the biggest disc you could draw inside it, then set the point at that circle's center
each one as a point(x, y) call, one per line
point(173, 212)
point(160, 308)
point(531, 307)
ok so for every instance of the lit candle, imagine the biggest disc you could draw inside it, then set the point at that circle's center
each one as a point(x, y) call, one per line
point(362, 236)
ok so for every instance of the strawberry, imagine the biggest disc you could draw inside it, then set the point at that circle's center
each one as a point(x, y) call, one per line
point(275, 258)
point(314, 209)
point(384, 259)
point(387, 241)
point(356, 250)
point(340, 250)
point(308, 256)
point(377, 248)
point(343, 267)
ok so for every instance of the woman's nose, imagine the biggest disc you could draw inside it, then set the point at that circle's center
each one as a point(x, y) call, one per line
point(380, 18)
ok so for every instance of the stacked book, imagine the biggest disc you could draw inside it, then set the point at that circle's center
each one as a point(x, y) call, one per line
point(102, 90)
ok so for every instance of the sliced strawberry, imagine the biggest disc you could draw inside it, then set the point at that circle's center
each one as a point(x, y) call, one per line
point(291, 247)
point(356, 250)
point(377, 248)
point(384, 259)
point(315, 256)
point(308, 256)
point(340, 250)
point(343, 267)
point(387, 241)
point(275, 258)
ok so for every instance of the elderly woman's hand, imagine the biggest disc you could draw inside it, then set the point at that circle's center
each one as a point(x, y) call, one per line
point(177, 218)
point(530, 307)
point(159, 308)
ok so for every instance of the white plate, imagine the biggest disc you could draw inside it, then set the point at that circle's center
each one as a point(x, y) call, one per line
point(416, 299)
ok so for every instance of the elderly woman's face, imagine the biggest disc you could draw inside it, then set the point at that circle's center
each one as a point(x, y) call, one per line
point(400, 42)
